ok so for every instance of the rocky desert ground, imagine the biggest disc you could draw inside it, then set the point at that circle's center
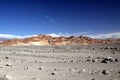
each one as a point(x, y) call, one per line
point(68, 62)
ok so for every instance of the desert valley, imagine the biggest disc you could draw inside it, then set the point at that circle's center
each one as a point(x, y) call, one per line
point(44, 57)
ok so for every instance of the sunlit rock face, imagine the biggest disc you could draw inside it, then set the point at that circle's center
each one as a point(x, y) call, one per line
point(49, 40)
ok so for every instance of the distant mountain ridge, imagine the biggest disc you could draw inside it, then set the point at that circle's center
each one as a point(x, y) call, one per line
point(49, 40)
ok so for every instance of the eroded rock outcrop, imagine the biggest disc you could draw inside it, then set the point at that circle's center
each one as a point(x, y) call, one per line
point(49, 40)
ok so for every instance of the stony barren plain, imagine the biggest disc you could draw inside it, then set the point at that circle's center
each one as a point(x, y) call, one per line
point(73, 62)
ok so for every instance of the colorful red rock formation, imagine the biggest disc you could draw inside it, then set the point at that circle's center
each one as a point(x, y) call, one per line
point(49, 40)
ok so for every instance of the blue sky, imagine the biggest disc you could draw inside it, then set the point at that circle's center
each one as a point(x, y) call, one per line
point(58, 17)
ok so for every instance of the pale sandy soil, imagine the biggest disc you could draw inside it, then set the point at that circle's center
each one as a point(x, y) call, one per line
point(93, 62)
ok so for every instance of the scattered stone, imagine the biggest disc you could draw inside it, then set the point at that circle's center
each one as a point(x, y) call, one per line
point(88, 57)
point(71, 61)
point(116, 60)
point(105, 72)
point(107, 47)
point(93, 79)
point(35, 61)
point(101, 48)
point(78, 60)
point(88, 60)
point(34, 78)
point(55, 69)
point(103, 61)
point(41, 68)
point(114, 52)
point(115, 48)
point(27, 68)
point(110, 60)
point(22, 61)
point(1, 66)
point(6, 57)
point(79, 71)
point(53, 73)
point(106, 59)
point(118, 71)
point(93, 60)
point(9, 65)
point(98, 57)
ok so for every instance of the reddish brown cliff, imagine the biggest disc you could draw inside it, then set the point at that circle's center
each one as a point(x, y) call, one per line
point(49, 40)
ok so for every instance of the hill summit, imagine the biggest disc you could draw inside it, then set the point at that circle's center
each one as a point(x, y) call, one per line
point(49, 40)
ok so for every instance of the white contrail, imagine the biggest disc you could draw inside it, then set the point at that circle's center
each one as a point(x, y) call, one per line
point(51, 20)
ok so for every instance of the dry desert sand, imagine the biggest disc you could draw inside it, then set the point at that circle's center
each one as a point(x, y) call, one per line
point(70, 62)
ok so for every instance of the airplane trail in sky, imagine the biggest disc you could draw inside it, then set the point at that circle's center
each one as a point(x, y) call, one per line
point(52, 21)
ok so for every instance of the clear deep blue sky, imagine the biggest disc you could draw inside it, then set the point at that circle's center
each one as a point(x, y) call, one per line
point(26, 17)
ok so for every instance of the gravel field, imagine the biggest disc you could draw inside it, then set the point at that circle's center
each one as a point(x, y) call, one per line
point(70, 62)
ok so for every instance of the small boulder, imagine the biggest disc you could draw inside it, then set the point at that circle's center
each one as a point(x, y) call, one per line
point(107, 47)
point(6, 57)
point(116, 60)
point(114, 52)
point(118, 71)
point(103, 61)
point(41, 68)
point(72, 61)
point(110, 60)
point(93, 60)
point(105, 72)
point(88, 57)
point(26, 68)
point(93, 79)
point(55, 69)
point(36, 61)
point(88, 60)
point(22, 61)
point(9, 65)
point(52, 73)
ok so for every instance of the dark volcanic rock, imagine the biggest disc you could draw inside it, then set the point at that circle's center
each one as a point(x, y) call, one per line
point(109, 59)
point(53, 73)
point(116, 60)
point(104, 72)
point(6, 57)
point(93, 79)
point(93, 60)
point(103, 61)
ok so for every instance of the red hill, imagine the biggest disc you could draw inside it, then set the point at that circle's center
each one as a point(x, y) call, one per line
point(49, 40)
